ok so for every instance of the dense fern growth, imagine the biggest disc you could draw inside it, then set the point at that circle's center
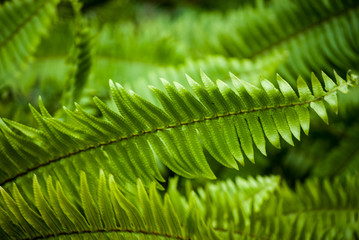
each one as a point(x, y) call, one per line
point(199, 134)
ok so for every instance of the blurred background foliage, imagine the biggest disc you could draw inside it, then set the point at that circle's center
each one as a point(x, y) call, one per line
point(138, 42)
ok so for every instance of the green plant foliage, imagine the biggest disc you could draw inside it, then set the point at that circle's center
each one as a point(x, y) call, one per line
point(325, 30)
point(103, 211)
point(81, 57)
point(217, 67)
point(322, 158)
point(227, 123)
point(199, 135)
point(22, 25)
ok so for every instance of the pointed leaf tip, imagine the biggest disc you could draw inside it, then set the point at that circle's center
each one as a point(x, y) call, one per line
point(206, 80)
point(222, 84)
point(231, 74)
point(191, 81)
point(164, 81)
point(320, 109)
point(178, 85)
point(342, 86)
point(329, 84)
point(119, 86)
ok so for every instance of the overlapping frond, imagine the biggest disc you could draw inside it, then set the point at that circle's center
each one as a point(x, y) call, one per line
point(225, 202)
point(22, 24)
point(218, 67)
point(227, 122)
point(103, 211)
point(316, 209)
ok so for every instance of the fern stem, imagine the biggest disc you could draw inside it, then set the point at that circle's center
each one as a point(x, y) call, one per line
point(108, 231)
point(135, 232)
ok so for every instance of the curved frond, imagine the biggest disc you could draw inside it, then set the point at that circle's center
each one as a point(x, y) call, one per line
point(22, 25)
point(228, 122)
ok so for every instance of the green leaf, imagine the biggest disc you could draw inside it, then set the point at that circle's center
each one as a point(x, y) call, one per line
point(70, 210)
point(45, 210)
point(88, 204)
point(104, 203)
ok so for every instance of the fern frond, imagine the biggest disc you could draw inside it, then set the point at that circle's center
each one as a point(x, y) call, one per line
point(314, 210)
point(225, 202)
point(278, 14)
point(217, 67)
point(225, 121)
point(331, 204)
point(324, 30)
point(22, 25)
point(103, 211)
point(80, 57)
